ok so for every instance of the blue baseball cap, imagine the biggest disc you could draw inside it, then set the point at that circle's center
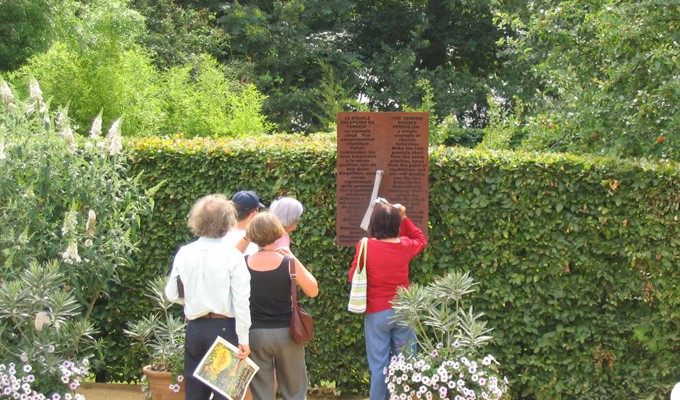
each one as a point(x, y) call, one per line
point(247, 200)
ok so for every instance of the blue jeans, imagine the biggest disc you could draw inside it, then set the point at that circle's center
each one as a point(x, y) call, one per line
point(384, 338)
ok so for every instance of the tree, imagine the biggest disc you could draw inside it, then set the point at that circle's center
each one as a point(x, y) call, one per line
point(380, 50)
point(97, 65)
point(177, 33)
point(27, 27)
point(607, 74)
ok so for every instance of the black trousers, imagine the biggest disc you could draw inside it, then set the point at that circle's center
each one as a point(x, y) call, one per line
point(200, 336)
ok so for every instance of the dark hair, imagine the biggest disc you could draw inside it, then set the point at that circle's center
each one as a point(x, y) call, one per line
point(385, 221)
point(243, 213)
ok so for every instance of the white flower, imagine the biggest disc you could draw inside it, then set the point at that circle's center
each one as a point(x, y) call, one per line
point(91, 225)
point(35, 91)
point(96, 129)
point(114, 138)
point(41, 319)
point(70, 219)
point(71, 254)
point(62, 118)
point(67, 133)
point(7, 95)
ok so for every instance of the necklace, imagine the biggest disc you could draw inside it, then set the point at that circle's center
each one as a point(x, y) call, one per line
point(263, 249)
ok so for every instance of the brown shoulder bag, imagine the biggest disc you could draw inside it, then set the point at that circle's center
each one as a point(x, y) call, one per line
point(301, 323)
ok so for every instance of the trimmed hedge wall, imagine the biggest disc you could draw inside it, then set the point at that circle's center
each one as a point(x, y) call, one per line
point(576, 256)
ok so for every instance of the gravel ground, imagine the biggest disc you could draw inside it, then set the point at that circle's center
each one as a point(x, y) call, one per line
point(110, 391)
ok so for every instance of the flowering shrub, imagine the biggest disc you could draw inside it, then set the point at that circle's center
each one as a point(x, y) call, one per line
point(440, 375)
point(69, 205)
point(22, 382)
point(40, 321)
point(451, 365)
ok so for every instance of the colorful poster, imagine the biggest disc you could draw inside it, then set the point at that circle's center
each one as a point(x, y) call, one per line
point(224, 372)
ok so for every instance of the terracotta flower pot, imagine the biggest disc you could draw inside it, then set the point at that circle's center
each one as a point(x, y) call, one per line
point(159, 385)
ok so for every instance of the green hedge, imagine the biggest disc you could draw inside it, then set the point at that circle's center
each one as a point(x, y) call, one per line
point(576, 256)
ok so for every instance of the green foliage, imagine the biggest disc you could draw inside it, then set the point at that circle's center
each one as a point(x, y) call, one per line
point(378, 51)
point(333, 97)
point(504, 125)
point(435, 313)
point(576, 253)
point(176, 34)
point(98, 65)
point(449, 358)
point(621, 101)
point(27, 27)
point(160, 334)
point(201, 100)
point(575, 256)
point(41, 326)
point(65, 198)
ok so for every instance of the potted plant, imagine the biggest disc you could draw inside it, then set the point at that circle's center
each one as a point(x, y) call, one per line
point(450, 363)
point(161, 336)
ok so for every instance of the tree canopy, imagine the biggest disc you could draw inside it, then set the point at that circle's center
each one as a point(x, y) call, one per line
point(597, 76)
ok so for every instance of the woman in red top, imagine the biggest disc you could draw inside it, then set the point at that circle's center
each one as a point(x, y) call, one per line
point(395, 240)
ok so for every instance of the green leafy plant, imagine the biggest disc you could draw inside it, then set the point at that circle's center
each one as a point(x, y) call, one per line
point(45, 343)
point(564, 248)
point(161, 334)
point(68, 198)
point(450, 340)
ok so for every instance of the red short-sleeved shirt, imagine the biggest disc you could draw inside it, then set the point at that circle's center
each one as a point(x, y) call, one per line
point(387, 265)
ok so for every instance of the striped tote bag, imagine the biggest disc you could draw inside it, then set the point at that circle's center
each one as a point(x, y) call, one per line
point(357, 294)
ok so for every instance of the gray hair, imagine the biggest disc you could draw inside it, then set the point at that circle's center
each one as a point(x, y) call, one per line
point(212, 216)
point(287, 209)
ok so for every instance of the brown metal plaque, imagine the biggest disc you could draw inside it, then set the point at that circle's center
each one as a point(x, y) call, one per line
point(395, 143)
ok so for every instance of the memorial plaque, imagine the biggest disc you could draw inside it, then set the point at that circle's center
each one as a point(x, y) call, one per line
point(393, 142)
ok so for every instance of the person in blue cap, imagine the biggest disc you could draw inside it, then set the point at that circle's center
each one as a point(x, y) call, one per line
point(247, 204)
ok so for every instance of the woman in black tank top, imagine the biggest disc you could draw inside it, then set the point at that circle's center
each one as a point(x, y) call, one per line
point(272, 348)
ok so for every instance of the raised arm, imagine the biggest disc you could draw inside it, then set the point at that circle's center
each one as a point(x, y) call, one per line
point(304, 278)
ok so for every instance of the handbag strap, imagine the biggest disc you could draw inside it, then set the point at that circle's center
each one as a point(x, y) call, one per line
point(293, 283)
point(361, 257)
